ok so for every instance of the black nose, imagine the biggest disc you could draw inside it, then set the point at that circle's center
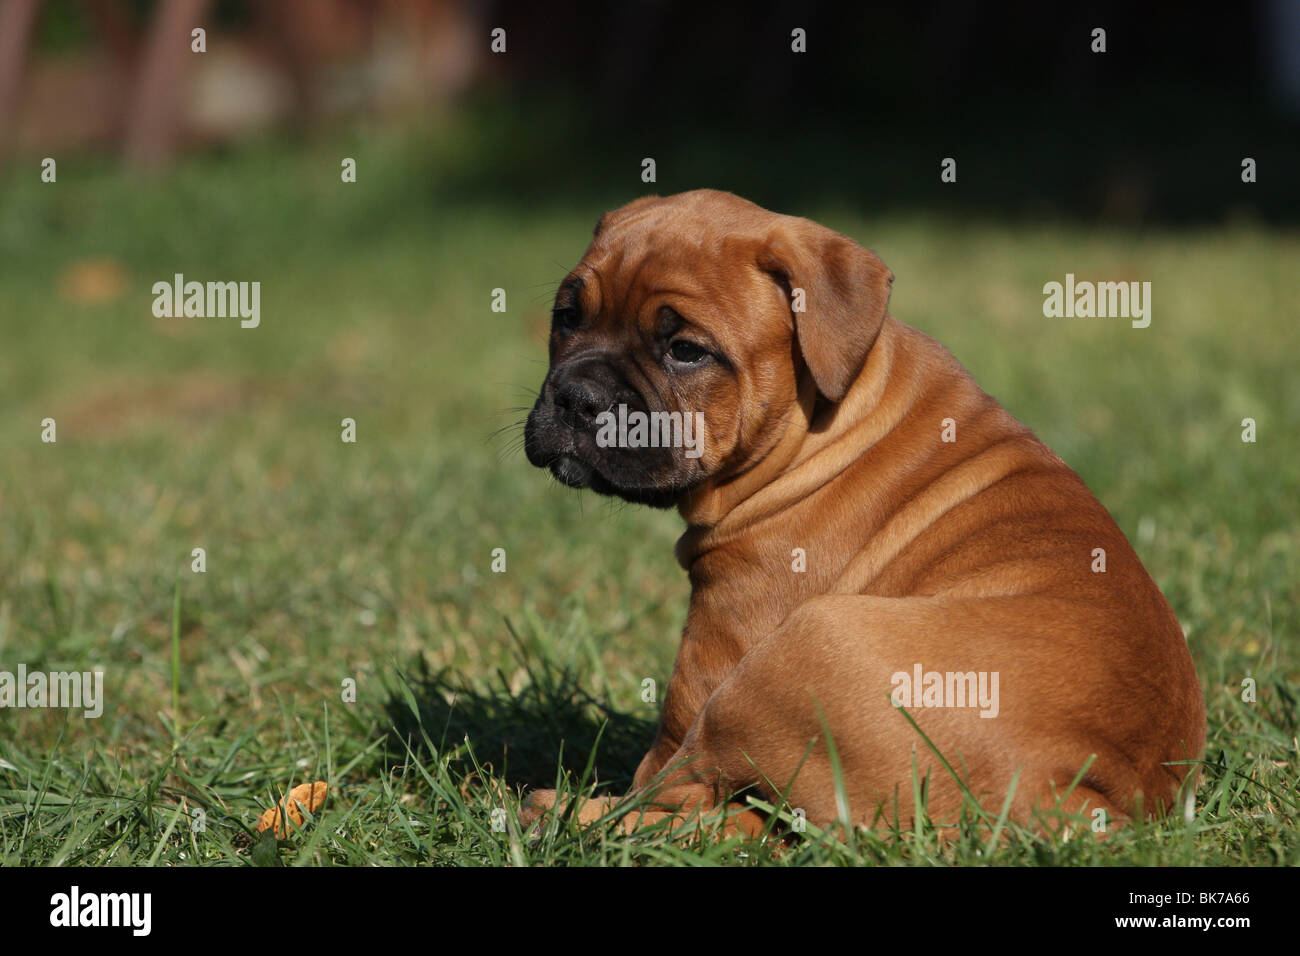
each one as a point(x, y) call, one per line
point(580, 400)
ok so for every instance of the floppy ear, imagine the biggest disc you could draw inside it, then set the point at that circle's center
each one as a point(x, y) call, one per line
point(845, 291)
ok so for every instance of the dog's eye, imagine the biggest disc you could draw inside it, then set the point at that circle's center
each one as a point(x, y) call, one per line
point(688, 353)
point(567, 319)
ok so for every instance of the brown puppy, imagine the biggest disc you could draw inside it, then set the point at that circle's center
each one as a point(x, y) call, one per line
point(866, 529)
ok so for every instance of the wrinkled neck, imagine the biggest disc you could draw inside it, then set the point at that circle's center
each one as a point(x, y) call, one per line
point(818, 443)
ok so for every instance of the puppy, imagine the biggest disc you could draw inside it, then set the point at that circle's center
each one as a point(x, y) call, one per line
point(867, 532)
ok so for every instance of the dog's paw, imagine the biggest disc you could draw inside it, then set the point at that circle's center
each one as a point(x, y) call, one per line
point(538, 803)
point(541, 802)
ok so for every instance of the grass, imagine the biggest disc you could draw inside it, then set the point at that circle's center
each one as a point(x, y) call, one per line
point(371, 562)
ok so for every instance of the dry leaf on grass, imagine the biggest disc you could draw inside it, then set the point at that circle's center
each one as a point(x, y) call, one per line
point(310, 795)
point(92, 281)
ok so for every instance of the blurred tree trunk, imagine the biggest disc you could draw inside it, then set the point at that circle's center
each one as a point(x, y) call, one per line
point(16, 20)
point(153, 124)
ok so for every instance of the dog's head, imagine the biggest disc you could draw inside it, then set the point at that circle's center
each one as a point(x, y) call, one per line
point(679, 341)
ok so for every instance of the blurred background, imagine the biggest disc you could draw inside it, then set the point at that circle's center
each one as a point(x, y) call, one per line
point(573, 92)
point(481, 169)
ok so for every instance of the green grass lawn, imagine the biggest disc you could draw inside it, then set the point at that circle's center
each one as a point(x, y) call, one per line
point(371, 562)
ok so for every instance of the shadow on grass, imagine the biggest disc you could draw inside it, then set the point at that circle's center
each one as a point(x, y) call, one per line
point(520, 737)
